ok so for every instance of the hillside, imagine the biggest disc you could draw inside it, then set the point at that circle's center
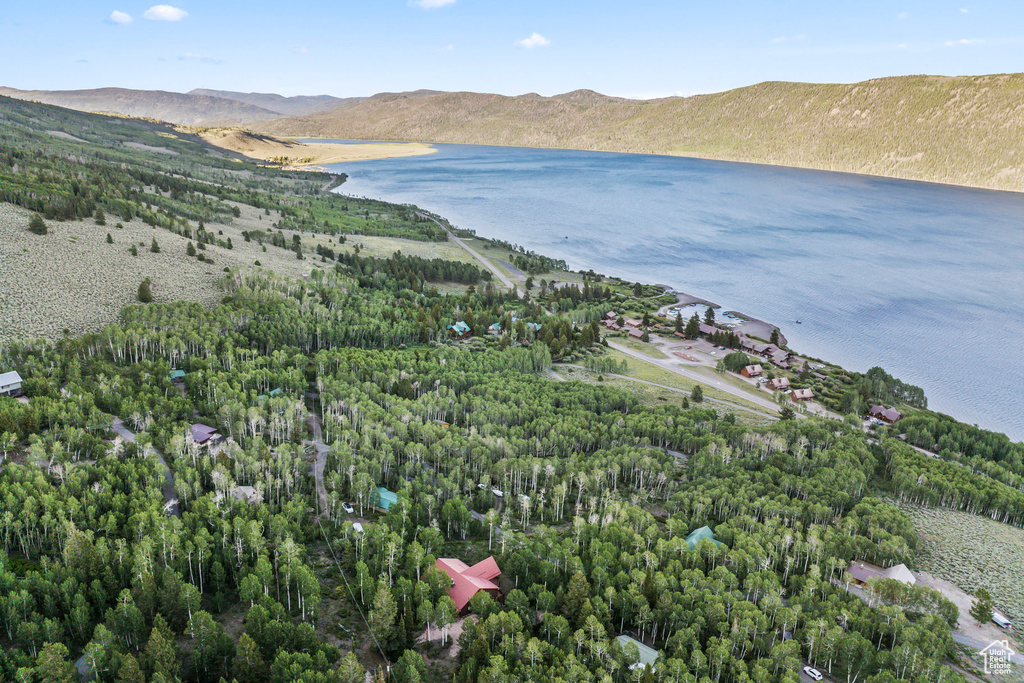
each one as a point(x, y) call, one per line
point(286, 106)
point(188, 109)
point(963, 130)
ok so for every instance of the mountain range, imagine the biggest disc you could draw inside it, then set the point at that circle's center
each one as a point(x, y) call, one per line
point(966, 130)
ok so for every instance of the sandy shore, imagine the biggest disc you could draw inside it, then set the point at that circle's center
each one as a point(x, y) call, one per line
point(749, 326)
point(308, 154)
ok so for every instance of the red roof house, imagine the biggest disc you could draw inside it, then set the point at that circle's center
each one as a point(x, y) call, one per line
point(468, 581)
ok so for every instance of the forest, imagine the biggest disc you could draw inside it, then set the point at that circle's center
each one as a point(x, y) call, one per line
point(134, 552)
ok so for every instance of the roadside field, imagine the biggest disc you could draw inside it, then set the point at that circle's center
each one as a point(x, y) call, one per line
point(972, 552)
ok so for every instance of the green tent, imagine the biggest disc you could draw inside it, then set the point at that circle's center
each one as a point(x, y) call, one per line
point(704, 533)
point(387, 498)
point(648, 655)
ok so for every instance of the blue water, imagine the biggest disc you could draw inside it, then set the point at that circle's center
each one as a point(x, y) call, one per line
point(925, 280)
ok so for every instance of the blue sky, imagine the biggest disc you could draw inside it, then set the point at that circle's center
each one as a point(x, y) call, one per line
point(644, 48)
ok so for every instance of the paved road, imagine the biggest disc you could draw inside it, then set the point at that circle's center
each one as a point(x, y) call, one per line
point(978, 646)
point(319, 461)
point(671, 366)
point(516, 273)
point(675, 389)
point(487, 264)
point(170, 496)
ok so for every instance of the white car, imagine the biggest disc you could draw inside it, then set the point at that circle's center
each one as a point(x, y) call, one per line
point(763, 380)
point(498, 492)
point(348, 508)
point(812, 673)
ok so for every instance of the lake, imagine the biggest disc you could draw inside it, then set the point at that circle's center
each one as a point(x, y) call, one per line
point(922, 279)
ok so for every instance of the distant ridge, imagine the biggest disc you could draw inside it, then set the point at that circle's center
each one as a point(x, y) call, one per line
point(285, 106)
point(965, 130)
point(153, 104)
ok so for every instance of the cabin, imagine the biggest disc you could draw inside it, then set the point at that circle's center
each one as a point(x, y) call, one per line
point(633, 322)
point(535, 327)
point(778, 384)
point(708, 330)
point(387, 498)
point(635, 333)
point(801, 395)
point(648, 655)
point(204, 435)
point(459, 330)
point(887, 415)
point(861, 572)
point(177, 376)
point(247, 494)
point(468, 581)
point(10, 384)
point(495, 328)
point(273, 393)
point(752, 371)
point(611, 315)
point(702, 534)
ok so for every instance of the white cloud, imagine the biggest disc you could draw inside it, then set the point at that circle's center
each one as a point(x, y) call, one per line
point(963, 10)
point(165, 13)
point(535, 40)
point(903, 15)
point(118, 17)
point(964, 41)
point(193, 57)
point(431, 4)
point(780, 39)
point(450, 47)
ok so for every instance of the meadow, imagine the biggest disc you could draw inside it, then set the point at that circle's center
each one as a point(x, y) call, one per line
point(972, 552)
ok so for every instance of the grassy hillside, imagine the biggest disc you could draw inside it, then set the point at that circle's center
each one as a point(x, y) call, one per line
point(189, 109)
point(286, 106)
point(964, 130)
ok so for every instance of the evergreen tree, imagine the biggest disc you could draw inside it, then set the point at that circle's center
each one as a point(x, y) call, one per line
point(52, 665)
point(36, 225)
point(190, 249)
point(775, 336)
point(130, 672)
point(154, 247)
point(679, 322)
point(983, 607)
point(110, 238)
point(693, 327)
point(133, 250)
point(248, 664)
point(646, 337)
point(100, 217)
point(697, 394)
point(709, 316)
point(145, 293)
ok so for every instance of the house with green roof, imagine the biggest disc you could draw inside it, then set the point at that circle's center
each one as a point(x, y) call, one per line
point(387, 498)
point(648, 655)
point(176, 375)
point(459, 329)
point(702, 534)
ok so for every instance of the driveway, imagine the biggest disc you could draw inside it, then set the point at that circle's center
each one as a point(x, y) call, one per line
point(319, 460)
point(170, 496)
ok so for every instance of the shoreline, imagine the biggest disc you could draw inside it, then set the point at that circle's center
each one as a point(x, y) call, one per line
point(699, 157)
point(749, 325)
point(293, 154)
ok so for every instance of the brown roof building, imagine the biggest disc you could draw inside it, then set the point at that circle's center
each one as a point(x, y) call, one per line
point(889, 415)
point(801, 395)
point(778, 383)
point(752, 371)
